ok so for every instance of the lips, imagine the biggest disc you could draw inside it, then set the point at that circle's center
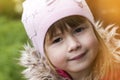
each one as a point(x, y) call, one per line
point(78, 57)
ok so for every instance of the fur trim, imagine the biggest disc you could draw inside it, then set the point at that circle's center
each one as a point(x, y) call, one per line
point(37, 67)
point(109, 35)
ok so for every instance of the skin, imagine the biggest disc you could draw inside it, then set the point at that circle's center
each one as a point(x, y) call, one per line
point(73, 51)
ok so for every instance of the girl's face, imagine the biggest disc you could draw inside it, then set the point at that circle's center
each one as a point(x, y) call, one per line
point(73, 50)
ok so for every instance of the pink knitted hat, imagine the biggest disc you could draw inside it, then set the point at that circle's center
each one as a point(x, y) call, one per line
point(39, 15)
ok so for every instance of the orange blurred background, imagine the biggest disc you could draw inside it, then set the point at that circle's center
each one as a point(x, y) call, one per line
point(107, 11)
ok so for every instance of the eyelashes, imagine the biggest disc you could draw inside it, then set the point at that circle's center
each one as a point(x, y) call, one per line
point(57, 40)
point(79, 29)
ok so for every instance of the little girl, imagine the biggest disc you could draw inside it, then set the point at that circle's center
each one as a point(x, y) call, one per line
point(67, 43)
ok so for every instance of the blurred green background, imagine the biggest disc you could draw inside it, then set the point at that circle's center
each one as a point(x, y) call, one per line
point(13, 36)
point(12, 39)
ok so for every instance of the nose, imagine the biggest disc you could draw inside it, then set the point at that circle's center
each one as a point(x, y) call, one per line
point(73, 44)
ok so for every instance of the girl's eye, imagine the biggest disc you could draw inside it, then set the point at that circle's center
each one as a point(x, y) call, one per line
point(80, 29)
point(57, 40)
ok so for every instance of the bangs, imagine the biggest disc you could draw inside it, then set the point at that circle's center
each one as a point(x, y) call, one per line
point(60, 25)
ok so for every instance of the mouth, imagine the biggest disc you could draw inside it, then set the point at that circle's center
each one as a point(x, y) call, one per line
point(78, 57)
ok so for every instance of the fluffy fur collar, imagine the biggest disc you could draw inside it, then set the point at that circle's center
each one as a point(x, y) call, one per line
point(36, 66)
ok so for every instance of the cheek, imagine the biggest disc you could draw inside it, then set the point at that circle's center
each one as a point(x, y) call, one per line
point(92, 45)
point(90, 40)
point(94, 42)
point(57, 57)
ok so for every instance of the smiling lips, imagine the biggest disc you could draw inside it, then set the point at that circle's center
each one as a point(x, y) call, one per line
point(78, 57)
